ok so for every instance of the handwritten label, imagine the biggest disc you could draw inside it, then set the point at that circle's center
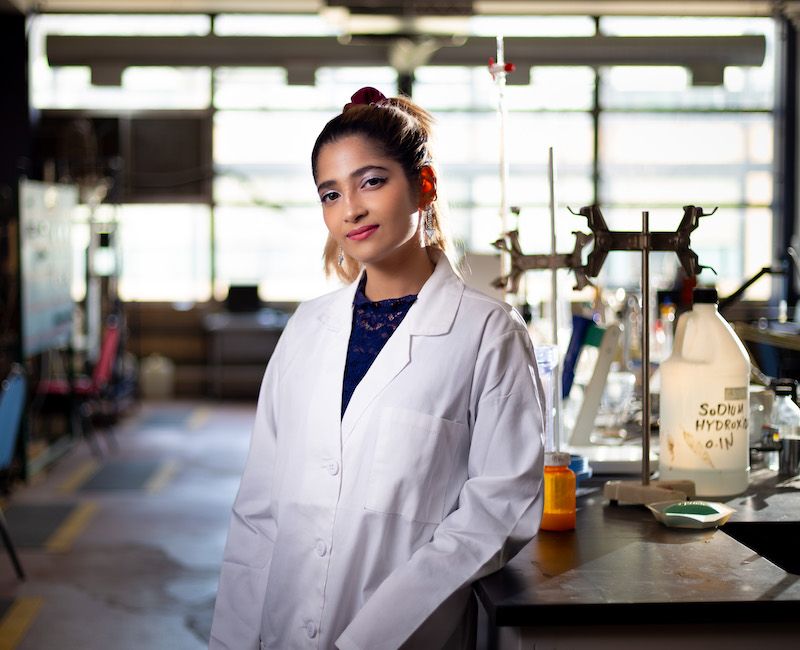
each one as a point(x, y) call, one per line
point(723, 419)
point(704, 422)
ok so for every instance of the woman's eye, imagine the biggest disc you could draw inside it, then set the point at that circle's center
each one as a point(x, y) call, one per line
point(328, 196)
point(374, 181)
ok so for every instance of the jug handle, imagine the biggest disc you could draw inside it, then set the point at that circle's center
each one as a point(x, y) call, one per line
point(680, 332)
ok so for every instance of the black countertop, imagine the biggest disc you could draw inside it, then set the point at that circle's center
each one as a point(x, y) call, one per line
point(621, 565)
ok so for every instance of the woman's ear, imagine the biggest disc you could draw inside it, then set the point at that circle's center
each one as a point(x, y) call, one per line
point(427, 186)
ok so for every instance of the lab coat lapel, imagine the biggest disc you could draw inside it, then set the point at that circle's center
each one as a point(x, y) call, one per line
point(335, 322)
point(394, 356)
point(431, 314)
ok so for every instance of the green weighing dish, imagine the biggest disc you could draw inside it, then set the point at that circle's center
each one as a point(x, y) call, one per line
point(691, 514)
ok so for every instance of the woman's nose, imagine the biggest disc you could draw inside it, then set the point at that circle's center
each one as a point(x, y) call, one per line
point(354, 209)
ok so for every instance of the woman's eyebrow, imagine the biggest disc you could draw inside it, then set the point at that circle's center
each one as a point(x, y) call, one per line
point(326, 184)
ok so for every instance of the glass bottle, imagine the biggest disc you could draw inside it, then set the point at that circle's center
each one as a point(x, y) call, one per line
point(785, 416)
point(559, 492)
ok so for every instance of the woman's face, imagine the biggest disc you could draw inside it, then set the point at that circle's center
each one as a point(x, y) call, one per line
point(368, 204)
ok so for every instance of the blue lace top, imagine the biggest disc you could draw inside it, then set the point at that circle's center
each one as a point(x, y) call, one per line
point(373, 324)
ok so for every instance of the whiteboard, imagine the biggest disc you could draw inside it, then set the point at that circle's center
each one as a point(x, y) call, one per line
point(46, 264)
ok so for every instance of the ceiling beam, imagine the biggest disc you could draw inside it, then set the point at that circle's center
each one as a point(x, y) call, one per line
point(480, 7)
point(176, 6)
point(109, 55)
point(628, 7)
point(406, 7)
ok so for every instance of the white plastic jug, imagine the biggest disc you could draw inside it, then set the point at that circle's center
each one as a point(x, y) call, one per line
point(705, 403)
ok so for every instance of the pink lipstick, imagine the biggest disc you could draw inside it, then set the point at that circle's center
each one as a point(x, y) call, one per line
point(361, 233)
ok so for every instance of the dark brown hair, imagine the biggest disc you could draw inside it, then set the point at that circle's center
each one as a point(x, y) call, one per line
point(402, 131)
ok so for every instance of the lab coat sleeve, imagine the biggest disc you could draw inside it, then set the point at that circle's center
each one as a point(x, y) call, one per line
point(251, 536)
point(499, 510)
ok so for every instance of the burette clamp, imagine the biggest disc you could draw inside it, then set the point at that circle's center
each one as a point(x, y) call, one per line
point(496, 69)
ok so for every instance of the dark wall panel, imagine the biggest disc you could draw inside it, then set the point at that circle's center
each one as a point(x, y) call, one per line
point(15, 132)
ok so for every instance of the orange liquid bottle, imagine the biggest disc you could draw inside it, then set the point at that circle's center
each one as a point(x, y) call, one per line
point(559, 493)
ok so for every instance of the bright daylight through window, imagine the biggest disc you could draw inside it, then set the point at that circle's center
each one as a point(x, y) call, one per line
point(630, 138)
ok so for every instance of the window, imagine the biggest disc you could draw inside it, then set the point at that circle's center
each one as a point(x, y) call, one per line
point(142, 88)
point(164, 252)
point(661, 143)
point(665, 143)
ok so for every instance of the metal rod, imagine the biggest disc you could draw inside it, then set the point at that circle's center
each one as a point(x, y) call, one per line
point(551, 178)
point(645, 348)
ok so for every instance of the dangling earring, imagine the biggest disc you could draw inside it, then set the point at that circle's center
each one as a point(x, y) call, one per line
point(341, 256)
point(429, 231)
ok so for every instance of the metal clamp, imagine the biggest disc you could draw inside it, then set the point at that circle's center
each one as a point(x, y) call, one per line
point(604, 241)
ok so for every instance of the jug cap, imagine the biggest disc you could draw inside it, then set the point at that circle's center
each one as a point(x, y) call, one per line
point(705, 295)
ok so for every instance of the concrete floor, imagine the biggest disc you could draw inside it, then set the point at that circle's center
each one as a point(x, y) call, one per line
point(141, 572)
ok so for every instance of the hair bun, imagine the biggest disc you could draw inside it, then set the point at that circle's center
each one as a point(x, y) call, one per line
point(366, 95)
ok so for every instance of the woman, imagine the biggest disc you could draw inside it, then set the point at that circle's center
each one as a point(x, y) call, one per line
point(397, 450)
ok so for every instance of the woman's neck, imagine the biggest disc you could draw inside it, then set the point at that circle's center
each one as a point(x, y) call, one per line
point(397, 278)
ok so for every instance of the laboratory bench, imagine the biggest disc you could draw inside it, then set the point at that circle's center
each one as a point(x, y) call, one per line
point(240, 345)
point(621, 579)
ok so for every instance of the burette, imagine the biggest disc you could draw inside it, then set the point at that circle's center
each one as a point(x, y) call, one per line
point(499, 69)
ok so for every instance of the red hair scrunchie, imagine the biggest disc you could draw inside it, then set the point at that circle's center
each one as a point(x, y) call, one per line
point(366, 95)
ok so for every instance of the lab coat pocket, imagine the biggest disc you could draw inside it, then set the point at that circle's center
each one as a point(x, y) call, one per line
point(413, 464)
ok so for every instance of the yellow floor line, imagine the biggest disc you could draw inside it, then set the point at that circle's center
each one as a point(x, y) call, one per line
point(62, 540)
point(199, 418)
point(79, 476)
point(17, 620)
point(163, 476)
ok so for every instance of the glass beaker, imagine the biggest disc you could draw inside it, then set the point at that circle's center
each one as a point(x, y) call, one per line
point(614, 413)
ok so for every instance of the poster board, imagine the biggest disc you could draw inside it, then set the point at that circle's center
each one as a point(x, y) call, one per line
point(46, 264)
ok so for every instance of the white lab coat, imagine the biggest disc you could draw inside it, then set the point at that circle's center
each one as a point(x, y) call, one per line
point(366, 532)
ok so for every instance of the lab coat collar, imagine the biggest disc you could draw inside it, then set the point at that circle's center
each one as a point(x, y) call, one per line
point(432, 314)
point(437, 301)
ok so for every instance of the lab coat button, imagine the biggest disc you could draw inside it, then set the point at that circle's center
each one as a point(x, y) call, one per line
point(333, 468)
point(311, 630)
point(322, 548)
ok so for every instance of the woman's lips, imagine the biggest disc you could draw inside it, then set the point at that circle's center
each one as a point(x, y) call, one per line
point(361, 233)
